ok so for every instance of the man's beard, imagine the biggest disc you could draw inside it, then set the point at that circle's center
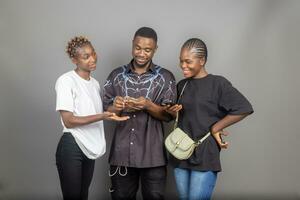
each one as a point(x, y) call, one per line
point(140, 65)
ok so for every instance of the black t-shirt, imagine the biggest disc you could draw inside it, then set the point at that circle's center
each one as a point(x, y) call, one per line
point(205, 101)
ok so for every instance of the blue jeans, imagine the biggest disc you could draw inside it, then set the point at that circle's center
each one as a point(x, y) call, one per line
point(192, 185)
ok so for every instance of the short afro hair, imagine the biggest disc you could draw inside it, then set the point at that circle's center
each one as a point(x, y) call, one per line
point(75, 43)
point(146, 32)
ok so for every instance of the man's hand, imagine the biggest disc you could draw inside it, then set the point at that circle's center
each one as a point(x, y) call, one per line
point(136, 104)
point(141, 103)
point(119, 103)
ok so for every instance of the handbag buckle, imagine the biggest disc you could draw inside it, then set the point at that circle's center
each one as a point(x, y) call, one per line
point(198, 143)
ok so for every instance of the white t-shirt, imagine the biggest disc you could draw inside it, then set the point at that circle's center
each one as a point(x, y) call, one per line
point(82, 98)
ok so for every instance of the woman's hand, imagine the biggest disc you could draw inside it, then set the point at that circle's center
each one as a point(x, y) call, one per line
point(114, 117)
point(218, 136)
point(173, 110)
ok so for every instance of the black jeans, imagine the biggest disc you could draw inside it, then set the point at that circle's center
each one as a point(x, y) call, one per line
point(125, 182)
point(74, 168)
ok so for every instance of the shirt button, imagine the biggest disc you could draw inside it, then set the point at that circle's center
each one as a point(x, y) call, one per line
point(131, 143)
point(134, 116)
point(132, 129)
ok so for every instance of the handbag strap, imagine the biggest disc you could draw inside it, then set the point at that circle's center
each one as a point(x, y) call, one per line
point(202, 139)
point(177, 115)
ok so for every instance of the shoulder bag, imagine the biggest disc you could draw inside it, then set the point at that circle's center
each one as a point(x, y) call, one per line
point(178, 143)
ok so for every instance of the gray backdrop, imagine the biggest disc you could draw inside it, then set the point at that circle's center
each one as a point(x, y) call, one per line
point(255, 44)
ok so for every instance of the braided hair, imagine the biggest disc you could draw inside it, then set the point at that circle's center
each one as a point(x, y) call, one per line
point(196, 46)
point(75, 43)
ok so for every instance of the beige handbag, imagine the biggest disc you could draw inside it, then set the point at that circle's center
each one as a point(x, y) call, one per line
point(178, 143)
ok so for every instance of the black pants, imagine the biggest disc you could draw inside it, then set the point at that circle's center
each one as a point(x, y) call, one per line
point(125, 182)
point(74, 168)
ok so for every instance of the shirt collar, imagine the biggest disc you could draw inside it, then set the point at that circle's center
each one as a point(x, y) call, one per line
point(129, 67)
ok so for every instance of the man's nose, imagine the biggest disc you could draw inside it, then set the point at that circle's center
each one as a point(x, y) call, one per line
point(141, 52)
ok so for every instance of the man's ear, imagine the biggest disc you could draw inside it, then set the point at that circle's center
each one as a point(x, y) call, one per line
point(155, 48)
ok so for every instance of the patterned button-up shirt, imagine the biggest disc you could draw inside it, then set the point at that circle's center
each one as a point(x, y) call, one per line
point(138, 142)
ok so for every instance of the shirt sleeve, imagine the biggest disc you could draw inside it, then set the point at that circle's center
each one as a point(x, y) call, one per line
point(232, 101)
point(169, 93)
point(108, 92)
point(64, 97)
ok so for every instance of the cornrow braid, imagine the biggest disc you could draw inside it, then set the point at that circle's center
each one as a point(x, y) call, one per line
point(196, 46)
point(75, 43)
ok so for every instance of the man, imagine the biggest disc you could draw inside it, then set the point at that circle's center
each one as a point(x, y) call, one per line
point(139, 90)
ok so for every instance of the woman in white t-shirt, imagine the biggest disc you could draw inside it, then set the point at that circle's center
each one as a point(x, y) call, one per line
point(79, 104)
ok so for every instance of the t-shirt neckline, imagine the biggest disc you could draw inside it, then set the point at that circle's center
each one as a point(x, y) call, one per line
point(84, 80)
point(203, 78)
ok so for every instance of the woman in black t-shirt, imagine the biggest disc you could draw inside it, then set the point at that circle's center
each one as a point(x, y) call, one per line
point(209, 103)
